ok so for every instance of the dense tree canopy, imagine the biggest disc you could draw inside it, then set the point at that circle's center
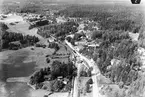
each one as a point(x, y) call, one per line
point(24, 40)
point(62, 69)
point(115, 45)
point(58, 29)
point(3, 26)
point(39, 23)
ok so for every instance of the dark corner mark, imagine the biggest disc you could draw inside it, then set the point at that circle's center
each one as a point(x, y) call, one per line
point(135, 1)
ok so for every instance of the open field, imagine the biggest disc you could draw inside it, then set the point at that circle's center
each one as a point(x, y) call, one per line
point(12, 19)
point(22, 61)
point(19, 25)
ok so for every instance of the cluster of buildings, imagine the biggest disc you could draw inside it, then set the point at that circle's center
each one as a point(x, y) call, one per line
point(37, 19)
point(33, 18)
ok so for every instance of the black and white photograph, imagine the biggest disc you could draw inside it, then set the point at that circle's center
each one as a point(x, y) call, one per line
point(72, 48)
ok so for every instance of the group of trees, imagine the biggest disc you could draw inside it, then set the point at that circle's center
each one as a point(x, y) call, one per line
point(55, 46)
point(71, 40)
point(119, 18)
point(79, 11)
point(0, 40)
point(9, 37)
point(77, 36)
point(87, 51)
point(116, 45)
point(38, 77)
point(31, 8)
point(39, 23)
point(85, 73)
point(124, 24)
point(59, 30)
point(62, 69)
point(55, 70)
point(3, 27)
point(110, 36)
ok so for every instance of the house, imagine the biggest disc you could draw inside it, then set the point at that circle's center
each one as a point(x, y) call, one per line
point(114, 64)
point(93, 45)
point(65, 81)
point(50, 39)
point(60, 77)
point(48, 77)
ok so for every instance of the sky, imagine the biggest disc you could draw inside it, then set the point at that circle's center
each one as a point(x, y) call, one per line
point(92, 1)
point(81, 1)
point(1, 1)
point(126, 2)
point(96, 1)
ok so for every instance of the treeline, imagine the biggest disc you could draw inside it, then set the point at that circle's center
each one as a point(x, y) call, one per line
point(55, 46)
point(118, 46)
point(3, 28)
point(110, 36)
point(23, 7)
point(51, 73)
point(120, 18)
point(141, 37)
point(0, 40)
point(31, 8)
point(39, 23)
point(125, 25)
point(59, 30)
point(81, 11)
point(9, 37)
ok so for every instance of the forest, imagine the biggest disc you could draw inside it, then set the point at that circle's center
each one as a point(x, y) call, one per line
point(39, 23)
point(120, 17)
point(9, 37)
point(58, 30)
point(3, 27)
point(119, 46)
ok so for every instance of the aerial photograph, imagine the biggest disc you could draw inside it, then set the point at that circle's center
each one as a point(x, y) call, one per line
point(72, 48)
